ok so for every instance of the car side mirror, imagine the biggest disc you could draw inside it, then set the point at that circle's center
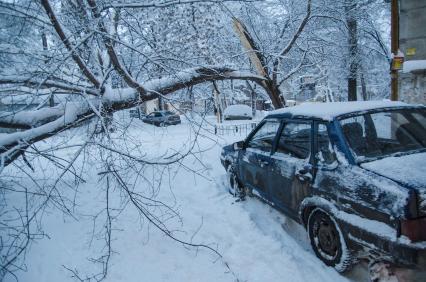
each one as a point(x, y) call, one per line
point(238, 145)
point(305, 169)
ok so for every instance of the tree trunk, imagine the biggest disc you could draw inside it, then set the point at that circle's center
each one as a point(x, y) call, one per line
point(44, 42)
point(274, 93)
point(160, 103)
point(218, 104)
point(350, 8)
point(191, 99)
point(259, 62)
point(363, 87)
point(253, 98)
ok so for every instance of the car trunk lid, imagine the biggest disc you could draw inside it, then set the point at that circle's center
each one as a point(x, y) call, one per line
point(408, 170)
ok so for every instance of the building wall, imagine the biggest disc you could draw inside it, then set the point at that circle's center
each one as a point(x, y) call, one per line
point(412, 39)
point(151, 106)
point(412, 88)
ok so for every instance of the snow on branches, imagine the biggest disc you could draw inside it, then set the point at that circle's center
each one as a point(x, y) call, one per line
point(45, 122)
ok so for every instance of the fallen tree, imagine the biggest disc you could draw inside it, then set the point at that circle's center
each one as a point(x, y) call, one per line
point(45, 122)
point(86, 63)
point(99, 98)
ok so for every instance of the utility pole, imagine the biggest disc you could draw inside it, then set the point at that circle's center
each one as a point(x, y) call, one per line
point(394, 47)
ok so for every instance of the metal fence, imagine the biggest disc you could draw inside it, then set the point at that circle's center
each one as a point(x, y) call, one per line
point(237, 129)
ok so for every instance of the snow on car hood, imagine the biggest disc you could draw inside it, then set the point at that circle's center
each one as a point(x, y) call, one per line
point(409, 170)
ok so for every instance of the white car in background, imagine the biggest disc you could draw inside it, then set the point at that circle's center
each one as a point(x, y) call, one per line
point(290, 103)
point(238, 112)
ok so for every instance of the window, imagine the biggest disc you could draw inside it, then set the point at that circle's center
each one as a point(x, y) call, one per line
point(385, 123)
point(263, 139)
point(384, 133)
point(325, 154)
point(421, 118)
point(354, 129)
point(399, 130)
point(295, 140)
point(154, 114)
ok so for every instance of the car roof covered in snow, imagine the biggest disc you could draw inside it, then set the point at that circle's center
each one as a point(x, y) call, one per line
point(239, 106)
point(239, 109)
point(330, 111)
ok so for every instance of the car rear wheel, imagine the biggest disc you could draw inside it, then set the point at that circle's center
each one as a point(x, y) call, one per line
point(327, 241)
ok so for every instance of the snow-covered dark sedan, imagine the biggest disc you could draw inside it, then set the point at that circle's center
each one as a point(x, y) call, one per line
point(353, 173)
point(162, 118)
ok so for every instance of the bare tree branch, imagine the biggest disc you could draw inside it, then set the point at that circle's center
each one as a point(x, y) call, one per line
point(164, 4)
point(111, 51)
point(57, 26)
point(48, 83)
point(290, 44)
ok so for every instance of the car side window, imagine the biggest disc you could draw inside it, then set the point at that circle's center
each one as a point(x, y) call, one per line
point(325, 154)
point(263, 139)
point(354, 130)
point(295, 140)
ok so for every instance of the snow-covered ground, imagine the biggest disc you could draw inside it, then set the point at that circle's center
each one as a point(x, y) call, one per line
point(256, 242)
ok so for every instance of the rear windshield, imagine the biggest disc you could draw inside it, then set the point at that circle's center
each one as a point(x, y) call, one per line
point(380, 134)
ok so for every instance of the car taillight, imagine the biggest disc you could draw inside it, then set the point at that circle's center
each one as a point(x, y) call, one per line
point(414, 229)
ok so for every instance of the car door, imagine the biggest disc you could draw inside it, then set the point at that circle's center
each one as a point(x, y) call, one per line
point(255, 157)
point(290, 169)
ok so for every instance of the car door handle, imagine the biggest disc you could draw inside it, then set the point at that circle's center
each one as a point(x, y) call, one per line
point(263, 163)
point(304, 175)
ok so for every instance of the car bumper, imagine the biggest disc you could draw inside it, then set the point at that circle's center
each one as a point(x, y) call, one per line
point(238, 117)
point(399, 252)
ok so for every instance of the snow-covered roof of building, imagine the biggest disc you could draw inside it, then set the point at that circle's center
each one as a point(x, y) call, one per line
point(414, 65)
point(328, 111)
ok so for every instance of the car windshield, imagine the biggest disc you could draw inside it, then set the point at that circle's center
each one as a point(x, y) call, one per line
point(168, 113)
point(154, 114)
point(380, 134)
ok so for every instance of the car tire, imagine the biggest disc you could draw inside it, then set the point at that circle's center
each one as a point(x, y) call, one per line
point(327, 241)
point(162, 124)
point(233, 186)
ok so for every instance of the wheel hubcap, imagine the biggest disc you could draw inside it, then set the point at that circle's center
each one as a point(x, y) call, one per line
point(327, 237)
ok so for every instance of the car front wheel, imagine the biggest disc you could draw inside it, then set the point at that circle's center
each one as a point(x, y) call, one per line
point(327, 241)
point(233, 187)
